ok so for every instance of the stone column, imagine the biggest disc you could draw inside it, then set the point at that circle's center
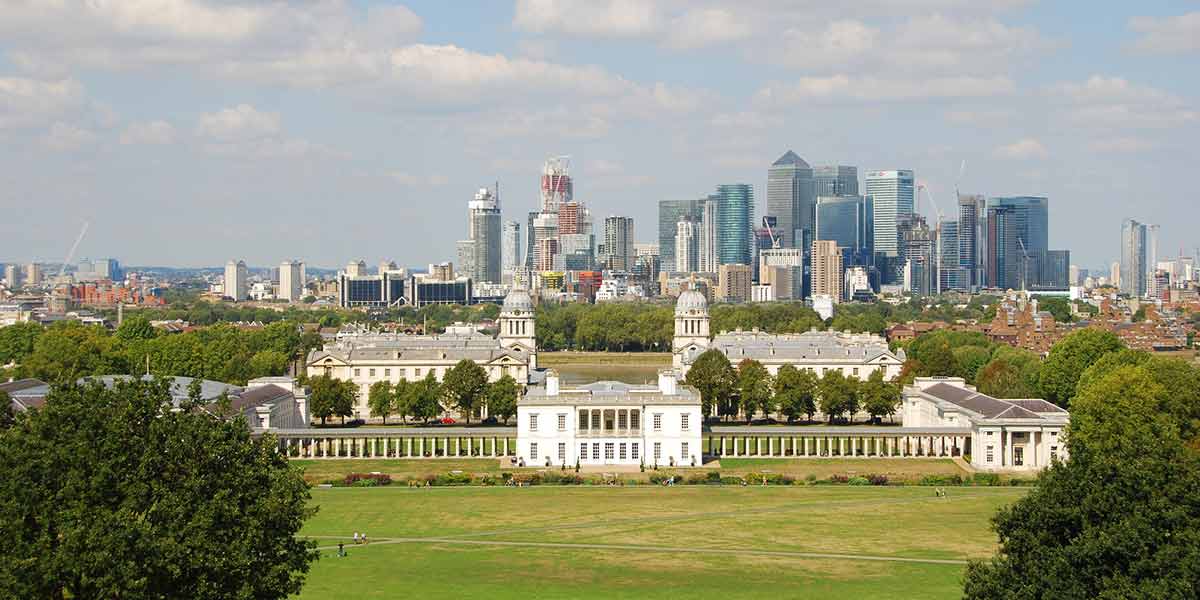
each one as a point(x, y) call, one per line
point(758, 445)
point(506, 445)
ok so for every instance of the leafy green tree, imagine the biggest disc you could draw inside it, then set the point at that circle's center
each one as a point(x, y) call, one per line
point(502, 398)
point(796, 392)
point(7, 415)
point(1110, 362)
point(17, 341)
point(425, 396)
point(879, 397)
point(267, 363)
point(713, 376)
point(1069, 358)
point(109, 493)
point(1059, 307)
point(1012, 373)
point(464, 387)
point(69, 350)
point(837, 394)
point(381, 399)
point(1119, 519)
point(402, 392)
point(969, 360)
point(754, 389)
point(331, 397)
point(136, 328)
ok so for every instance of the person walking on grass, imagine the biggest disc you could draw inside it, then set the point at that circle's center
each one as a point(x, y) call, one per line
point(341, 548)
point(355, 538)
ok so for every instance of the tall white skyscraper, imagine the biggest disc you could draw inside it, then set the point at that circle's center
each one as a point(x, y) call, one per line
point(707, 245)
point(479, 254)
point(686, 247)
point(291, 280)
point(1139, 259)
point(235, 280)
point(893, 193)
point(618, 242)
point(510, 246)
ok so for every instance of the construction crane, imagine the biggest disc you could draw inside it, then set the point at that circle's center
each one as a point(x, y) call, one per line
point(1024, 262)
point(769, 223)
point(71, 253)
point(937, 242)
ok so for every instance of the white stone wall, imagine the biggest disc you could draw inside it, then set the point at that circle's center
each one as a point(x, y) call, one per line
point(670, 437)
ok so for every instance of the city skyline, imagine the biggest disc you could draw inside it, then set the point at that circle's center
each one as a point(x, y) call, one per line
point(248, 132)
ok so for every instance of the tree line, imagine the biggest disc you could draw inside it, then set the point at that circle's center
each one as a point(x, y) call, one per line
point(750, 390)
point(465, 388)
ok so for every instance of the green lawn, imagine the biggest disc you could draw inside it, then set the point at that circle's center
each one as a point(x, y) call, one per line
point(501, 542)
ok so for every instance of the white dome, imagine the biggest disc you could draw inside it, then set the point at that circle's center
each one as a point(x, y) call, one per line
point(689, 301)
point(517, 300)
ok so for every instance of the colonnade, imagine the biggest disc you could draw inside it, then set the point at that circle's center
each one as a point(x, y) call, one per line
point(446, 445)
point(833, 444)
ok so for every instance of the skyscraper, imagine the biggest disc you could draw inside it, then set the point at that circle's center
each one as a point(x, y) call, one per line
point(235, 280)
point(972, 218)
point(827, 269)
point(835, 180)
point(1017, 241)
point(33, 274)
point(735, 210)
point(1056, 270)
point(791, 199)
point(1139, 256)
point(918, 250)
point(291, 282)
point(844, 220)
point(510, 246)
point(618, 242)
point(557, 188)
point(670, 213)
point(707, 234)
point(12, 276)
point(892, 194)
point(687, 247)
point(952, 276)
point(480, 252)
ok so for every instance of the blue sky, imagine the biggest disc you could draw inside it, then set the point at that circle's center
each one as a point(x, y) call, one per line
point(189, 132)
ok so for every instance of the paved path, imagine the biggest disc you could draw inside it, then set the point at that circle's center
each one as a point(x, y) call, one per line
point(660, 549)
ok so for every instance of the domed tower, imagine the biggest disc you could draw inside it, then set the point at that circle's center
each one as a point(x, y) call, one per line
point(517, 322)
point(691, 324)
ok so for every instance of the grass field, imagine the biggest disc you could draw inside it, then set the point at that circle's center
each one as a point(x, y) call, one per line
point(650, 541)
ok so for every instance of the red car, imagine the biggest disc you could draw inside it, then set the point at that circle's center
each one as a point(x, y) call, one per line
point(447, 421)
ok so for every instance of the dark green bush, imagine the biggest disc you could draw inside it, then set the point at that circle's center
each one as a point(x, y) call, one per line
point(877, 479)
point(858, 481)
point(941, 480)
point(985, 479)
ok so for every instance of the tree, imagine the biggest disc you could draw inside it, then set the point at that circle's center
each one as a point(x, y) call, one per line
point(969, 360)
point(1059, 307)
point(754, 389)
point(836, 394)
point(1069, 358)
point(1119, 519)
point(136, 328)
point(110, 493)
point(796, 392)
point(713, 376)
point(464, 387)
point(880, 398)
point(268, 363)
point(424, 398)
point(7, 415)
point(17, 341)
point(502, 398)
point(1012, 373)
point(381, 399)
point(332, 397)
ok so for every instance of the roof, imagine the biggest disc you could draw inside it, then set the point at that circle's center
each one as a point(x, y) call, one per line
point(984, 405)
point(610, 393)
point(790, 158)
point(814, 346)
point(263, 394)
point(21, 385)
point(180, 386)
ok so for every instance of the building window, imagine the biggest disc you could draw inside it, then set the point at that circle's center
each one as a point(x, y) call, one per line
point(855, 371)
point(657, 422)
point(357, 372)
point(596, 451)
point(989, 434)
point(633, 451)
point(533, 422)
point(596, 420)
point(683, 451)
point(370, 372)
point(562, 421)
point(633, 421)
point(387, 372)
point(403, 373)
point(608, 451)
point(1053, 453)
point(583, 419)
point(683, 421)
point(657, 451)
point(533, 451)
point(621, 420)
point(622, 449)
point(583, 452)
point(417, 373)
point(562, 452)
point(991, 456)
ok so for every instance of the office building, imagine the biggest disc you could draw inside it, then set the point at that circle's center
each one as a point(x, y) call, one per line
point(556, 188)
point(577, 250)
point(918, 249)
point(12, 276)
point(835, 180)
point(950, 271)
point(235, 281)
point(1139, 257)
point(707, 243)
point(791, 199)
point(734, 282)
point(618, 242)
point(826, 269)
point(33, 275)
point(856, 283)
point(735, 210)
point(510, 247)
point(844, 219)
point(544, 237)
point(479, 254)
point(670, 213)
point(1056, 271)
point(1017, 241)
point(441, 271)
point(892, 194)
point(783, 269)
point(291, 280)
point(972, 238)
point(687, 247)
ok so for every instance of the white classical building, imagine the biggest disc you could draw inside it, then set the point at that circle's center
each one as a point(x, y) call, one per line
point(610, 423)
point(365, 358)
point(854, 354)
point(1006, 435)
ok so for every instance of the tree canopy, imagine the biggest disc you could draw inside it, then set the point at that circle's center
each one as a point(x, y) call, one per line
point(331, 397)
point(796, 392)
point(713, 376)
point(755, 391)
point(1069, 358)
point(464, 386)
point(109, 493)
point(502, 398)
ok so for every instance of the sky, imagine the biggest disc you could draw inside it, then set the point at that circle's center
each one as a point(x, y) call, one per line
point(190, 132)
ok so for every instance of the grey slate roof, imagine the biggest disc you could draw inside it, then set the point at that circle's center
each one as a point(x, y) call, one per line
point(815, 346)
point(982, 404)
point(610, 393)
point(475, 346)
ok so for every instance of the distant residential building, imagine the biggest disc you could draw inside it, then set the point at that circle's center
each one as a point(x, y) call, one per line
point(291, 280)
point(687, 247)
point(1139, 255)
point(235, 281)
point(892, 194)
point(918, 249)
point(356, 268)
point(618, 242)
point(855, 282)
point(735, 210)
point(511, 247)
point(479, 254)
point(12, 276)
point(707, 259)
point(826, 269)
point(441, 271)
point(734, 281)
point(762, 292)
point(1114, 273)
point(386, 266)
point(784, 270)
point(950, 270)
point(33, 274)
point(791, 199)
point(543, 228)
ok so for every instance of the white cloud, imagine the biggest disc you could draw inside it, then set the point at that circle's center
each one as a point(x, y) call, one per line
point(979, 116)
point(704, 27)
point(1115, 102)
point(151, 133)
point(1024, 149)
point(875, 89)
point(617, 18)
point(64, 137)
point(1167, 35)
point(241, 122)
point(30, 102)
